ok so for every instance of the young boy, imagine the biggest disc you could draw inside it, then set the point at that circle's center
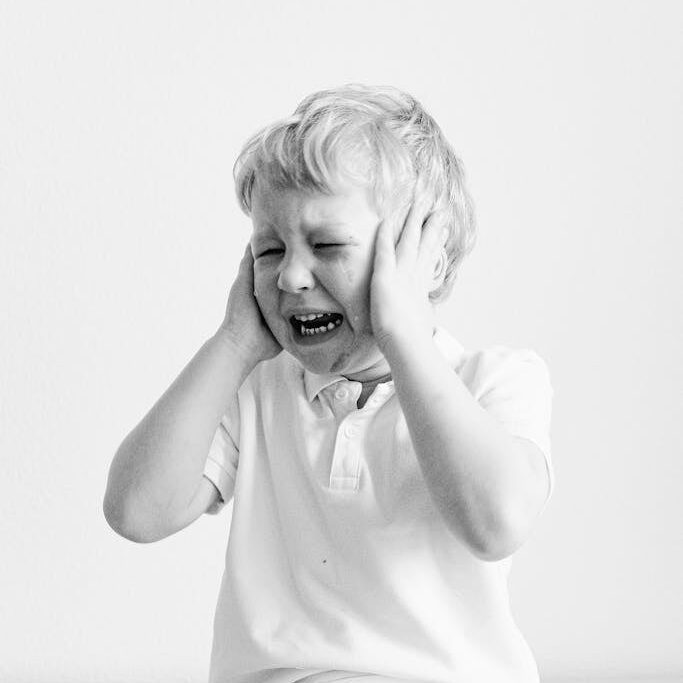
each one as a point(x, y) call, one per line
point(381, 475)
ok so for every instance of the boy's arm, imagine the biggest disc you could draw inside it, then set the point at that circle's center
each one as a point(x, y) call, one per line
point(157, 471)
point(156, 484)
point(490, 486)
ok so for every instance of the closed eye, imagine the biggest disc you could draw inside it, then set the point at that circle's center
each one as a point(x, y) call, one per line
point(269, 252)
point(318, 245)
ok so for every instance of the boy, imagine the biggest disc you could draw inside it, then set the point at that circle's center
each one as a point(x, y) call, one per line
point(381, 475)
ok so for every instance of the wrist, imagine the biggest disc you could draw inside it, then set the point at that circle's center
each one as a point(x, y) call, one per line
point(230, 344)
point(400, 346)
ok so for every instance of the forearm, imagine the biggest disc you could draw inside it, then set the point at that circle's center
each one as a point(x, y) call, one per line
point(466, 457)
point(158, 467)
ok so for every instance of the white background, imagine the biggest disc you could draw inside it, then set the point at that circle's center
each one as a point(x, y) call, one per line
point(120, 236)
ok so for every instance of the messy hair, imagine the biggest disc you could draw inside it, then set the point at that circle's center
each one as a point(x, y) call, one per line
point(377, 136)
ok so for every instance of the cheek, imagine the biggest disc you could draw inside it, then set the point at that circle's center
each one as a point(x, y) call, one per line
point(352, 283)
point(353, 276)
point(264, 285)
point(263, 272)
point(343, 269)
point(354, 268)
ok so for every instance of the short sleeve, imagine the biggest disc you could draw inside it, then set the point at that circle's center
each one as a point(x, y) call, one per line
point(221, 463)
point(513, 385)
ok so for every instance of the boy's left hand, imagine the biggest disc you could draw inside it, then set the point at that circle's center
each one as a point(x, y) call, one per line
point(400, 310)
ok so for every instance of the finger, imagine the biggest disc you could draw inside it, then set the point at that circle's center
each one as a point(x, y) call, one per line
point(247, 266)
point(432, 239)
point(385, 252)
point(247, 261)
point(247, 256)
point(409, 242)
point(433, 233)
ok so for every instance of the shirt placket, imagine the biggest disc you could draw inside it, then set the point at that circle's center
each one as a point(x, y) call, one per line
point(345, 471)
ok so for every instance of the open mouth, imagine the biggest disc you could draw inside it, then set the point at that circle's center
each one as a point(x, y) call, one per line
point(315, 324)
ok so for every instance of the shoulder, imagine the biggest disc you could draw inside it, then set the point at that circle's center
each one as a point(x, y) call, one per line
point(282, 373)
point(494, 367)
point(502, 360)
point(271, 382)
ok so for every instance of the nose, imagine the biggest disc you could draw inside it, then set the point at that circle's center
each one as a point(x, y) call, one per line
point(295, 275)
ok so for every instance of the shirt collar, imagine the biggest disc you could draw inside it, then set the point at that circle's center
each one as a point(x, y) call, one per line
point(449, 347)
point(314, 384)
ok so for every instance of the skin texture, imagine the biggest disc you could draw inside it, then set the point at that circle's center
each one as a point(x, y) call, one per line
point(316, 252)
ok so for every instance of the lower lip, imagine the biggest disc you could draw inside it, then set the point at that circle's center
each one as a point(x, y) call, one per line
point(315, 339)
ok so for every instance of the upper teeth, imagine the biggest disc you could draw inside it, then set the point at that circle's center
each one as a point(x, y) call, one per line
point(309, 316)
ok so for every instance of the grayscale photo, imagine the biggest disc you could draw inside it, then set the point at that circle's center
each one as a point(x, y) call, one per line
point(340, 342)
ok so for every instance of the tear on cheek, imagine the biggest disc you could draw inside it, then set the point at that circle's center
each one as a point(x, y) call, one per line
point(345, 270)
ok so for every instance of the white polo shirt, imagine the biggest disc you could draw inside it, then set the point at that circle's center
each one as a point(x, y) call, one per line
point(338, 564)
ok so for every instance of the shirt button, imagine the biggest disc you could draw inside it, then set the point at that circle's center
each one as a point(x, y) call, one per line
point(349, 432)
point(341, 394)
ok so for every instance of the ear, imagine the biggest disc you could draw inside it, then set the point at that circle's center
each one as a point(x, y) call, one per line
point(439, 272)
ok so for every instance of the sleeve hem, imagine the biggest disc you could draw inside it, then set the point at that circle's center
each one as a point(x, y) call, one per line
point(545, 450)
point(223, 480)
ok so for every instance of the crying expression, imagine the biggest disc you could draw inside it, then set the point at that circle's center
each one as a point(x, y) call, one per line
point(313, 259)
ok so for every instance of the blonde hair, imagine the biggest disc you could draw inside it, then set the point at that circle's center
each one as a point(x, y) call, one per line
point(377, 136)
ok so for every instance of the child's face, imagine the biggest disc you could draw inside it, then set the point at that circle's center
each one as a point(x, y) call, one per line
point(314, 253)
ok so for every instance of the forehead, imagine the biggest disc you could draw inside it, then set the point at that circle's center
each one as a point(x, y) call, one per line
point(290, 209)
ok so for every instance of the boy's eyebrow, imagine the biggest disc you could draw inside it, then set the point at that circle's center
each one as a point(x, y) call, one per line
point(327, 224)
point(332, 229)
point(322, 224)
point(270, 230)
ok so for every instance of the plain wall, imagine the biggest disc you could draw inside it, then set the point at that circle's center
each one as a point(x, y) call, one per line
point(120, 237)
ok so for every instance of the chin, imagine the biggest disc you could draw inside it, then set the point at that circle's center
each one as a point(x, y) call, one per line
point(322, 363)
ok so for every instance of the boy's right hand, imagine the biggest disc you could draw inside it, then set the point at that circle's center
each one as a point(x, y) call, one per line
point(244, 326)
